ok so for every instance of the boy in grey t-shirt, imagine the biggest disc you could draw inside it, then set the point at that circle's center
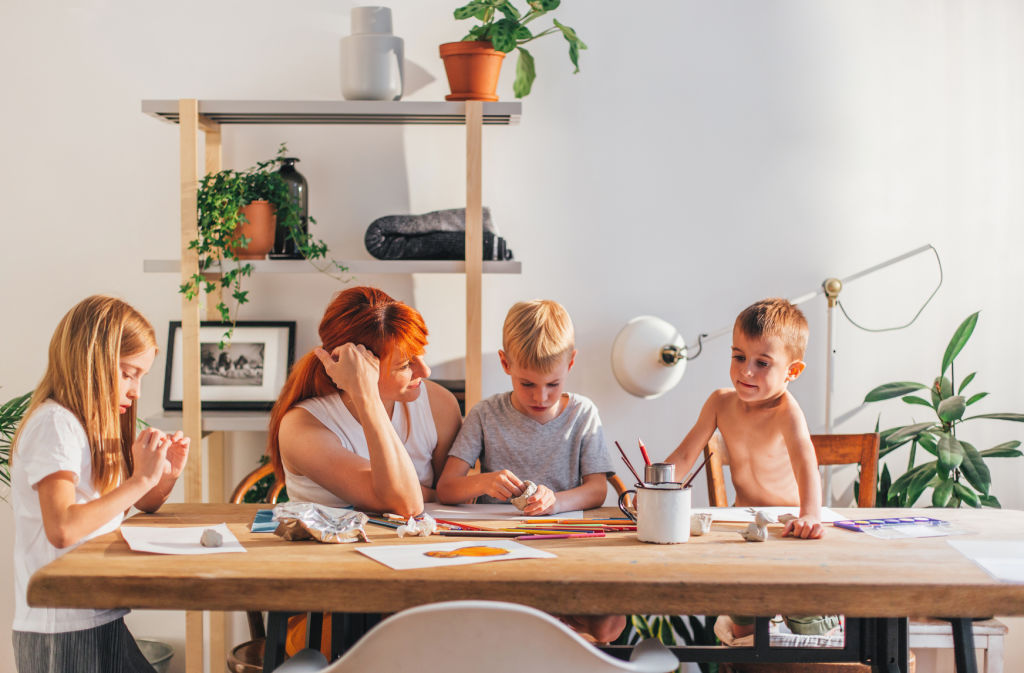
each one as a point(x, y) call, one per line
point(536, 432)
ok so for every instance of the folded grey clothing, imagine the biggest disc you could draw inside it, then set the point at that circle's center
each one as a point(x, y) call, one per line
point(440, 234)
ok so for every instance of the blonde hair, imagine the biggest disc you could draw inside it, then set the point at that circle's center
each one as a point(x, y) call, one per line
point(537, 334)
point(779, 319)
point(82, 376)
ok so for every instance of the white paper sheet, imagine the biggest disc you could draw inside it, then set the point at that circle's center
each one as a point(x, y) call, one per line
point(496, 512)
point(746, 514)
point(185, 540)
point(1002, 559)
point(409, 556)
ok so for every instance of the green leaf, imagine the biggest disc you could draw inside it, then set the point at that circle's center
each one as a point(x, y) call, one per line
point(927, 441)
point(967, 379)
point(889, 390)
point(914, 399)
point(942, 493)
point(1000, 417)
point(1004, 450)
point(976, 397)
point(951, 452)
point(503, 35)
point(908, 432)
point(641, 625)
point(475, 9)
point(918, 485)
point(549, 5)
point(575, 44)
point(679, 626)
point(509, 10)
point(967, 495)
point(975, 469)
point(901, 484)
point(959, 340)
point(990, 501)
point(525, 74)
point(951, 409)
point(943, 386)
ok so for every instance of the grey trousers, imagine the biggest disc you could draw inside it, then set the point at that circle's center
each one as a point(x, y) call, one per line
point(109, 648)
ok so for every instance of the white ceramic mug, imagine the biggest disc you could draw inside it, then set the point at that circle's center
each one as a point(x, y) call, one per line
point(662, 513)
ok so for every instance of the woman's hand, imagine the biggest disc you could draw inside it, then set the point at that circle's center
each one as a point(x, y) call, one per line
point(149, 455)
point(541, 502)
point(502, 484)
point(352, 367)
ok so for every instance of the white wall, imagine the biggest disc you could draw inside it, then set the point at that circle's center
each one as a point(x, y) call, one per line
point(707, 155)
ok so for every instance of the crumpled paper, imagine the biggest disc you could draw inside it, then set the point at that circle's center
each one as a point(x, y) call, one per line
point(310, 521)
point(422, 527)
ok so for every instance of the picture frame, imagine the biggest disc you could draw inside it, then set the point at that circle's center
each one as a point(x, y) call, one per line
point(246, 376)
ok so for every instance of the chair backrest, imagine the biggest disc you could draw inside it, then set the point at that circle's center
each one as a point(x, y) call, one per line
point(250, 479)
point(861, 449)
point(493, 636)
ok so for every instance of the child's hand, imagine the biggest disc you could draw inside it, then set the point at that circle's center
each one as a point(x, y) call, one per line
point(177, 453)
point(806, 527)
point(149, 455)
point(351, 366)
point(502, 484)
point(541, 502)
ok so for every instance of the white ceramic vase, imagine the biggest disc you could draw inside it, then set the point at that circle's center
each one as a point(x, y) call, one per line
point(372, 59)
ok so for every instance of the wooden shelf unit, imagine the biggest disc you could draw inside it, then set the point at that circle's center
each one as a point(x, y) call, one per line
point(205, 117)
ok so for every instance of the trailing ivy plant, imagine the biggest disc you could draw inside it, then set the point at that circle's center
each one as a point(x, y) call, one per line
point(958, 474)
point(11, 413)
point(510, 31)
point(220, 197)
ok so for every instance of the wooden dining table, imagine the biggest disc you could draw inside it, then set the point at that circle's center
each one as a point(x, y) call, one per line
point(846, 572)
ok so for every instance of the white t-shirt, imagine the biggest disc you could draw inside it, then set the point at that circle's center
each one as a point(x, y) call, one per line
point(52, 440)
point(412, 421)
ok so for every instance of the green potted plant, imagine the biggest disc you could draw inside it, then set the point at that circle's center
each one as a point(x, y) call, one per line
point(958, 474)
point(11, 413)
point(229, 204)
point(473, 64)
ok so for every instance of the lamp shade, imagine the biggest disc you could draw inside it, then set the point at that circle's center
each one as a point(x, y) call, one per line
point(637, 357)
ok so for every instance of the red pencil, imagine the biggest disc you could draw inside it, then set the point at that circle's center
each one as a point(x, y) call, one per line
point(558, 537)
point(643, 450)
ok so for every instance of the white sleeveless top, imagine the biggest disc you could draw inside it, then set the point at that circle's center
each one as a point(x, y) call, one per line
point(419, 441)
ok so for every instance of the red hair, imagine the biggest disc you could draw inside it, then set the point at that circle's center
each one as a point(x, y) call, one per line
point(360, 315)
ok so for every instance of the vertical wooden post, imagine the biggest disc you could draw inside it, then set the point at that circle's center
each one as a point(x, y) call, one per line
point(474, 252)
point(192, 423)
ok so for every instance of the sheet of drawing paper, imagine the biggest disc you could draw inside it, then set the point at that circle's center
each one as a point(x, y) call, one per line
point(409, 556)
point(1002, 559)
point(494, 512)
point(184, 540)
point(746, 514)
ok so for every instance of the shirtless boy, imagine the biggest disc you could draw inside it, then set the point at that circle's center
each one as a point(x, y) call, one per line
point(771, 458)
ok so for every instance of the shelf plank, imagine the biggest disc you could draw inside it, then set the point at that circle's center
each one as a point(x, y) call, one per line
point(215, 421)
point(337, 112)
point(375, 266)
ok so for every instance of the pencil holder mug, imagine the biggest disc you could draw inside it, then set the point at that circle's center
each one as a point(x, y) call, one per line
point(662, 512)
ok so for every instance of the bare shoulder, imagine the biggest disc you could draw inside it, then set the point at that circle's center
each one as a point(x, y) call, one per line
point(720, 400)
point(790, 413)
point(440, 397)
point(297, 420)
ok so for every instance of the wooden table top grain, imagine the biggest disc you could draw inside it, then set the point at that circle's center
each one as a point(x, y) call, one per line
point(846, 572)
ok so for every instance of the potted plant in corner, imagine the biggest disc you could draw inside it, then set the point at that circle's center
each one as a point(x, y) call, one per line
point(958, 474)
point(11, 413)
point(238, 214)
point(473, 65)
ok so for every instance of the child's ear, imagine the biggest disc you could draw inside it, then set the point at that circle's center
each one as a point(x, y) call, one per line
point(795, 370)
point(572, 360)
point(504, 362)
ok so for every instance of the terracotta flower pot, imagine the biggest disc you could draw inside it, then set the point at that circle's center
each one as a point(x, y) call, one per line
point(473, 69)
point(260, 228)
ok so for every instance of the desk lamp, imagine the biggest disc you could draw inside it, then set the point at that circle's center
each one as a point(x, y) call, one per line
point(649, 355)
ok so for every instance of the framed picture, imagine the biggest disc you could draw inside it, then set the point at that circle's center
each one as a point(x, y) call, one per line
point(246, 375)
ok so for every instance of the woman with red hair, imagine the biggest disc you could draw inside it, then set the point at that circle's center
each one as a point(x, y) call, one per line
point(357, 422)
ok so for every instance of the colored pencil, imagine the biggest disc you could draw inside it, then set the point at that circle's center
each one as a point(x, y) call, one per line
point(479, 533)
point(382, 522)
point(686, 484)
point(643, 451)
point(558, 537)
point(628, 464)
point(461, 525)
point(611, 520)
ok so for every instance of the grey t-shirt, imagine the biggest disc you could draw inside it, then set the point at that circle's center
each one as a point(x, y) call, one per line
point(557, 454)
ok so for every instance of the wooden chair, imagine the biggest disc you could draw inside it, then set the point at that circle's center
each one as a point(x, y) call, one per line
point(859, 449)
point(248, 656)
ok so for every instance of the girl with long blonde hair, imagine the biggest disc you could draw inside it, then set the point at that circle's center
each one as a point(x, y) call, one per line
point(76, 466)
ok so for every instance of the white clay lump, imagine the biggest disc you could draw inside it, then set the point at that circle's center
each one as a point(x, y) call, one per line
point(211, 538)
point(529, 488)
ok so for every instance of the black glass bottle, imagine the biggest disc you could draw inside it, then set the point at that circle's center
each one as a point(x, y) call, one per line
point(284, 246)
